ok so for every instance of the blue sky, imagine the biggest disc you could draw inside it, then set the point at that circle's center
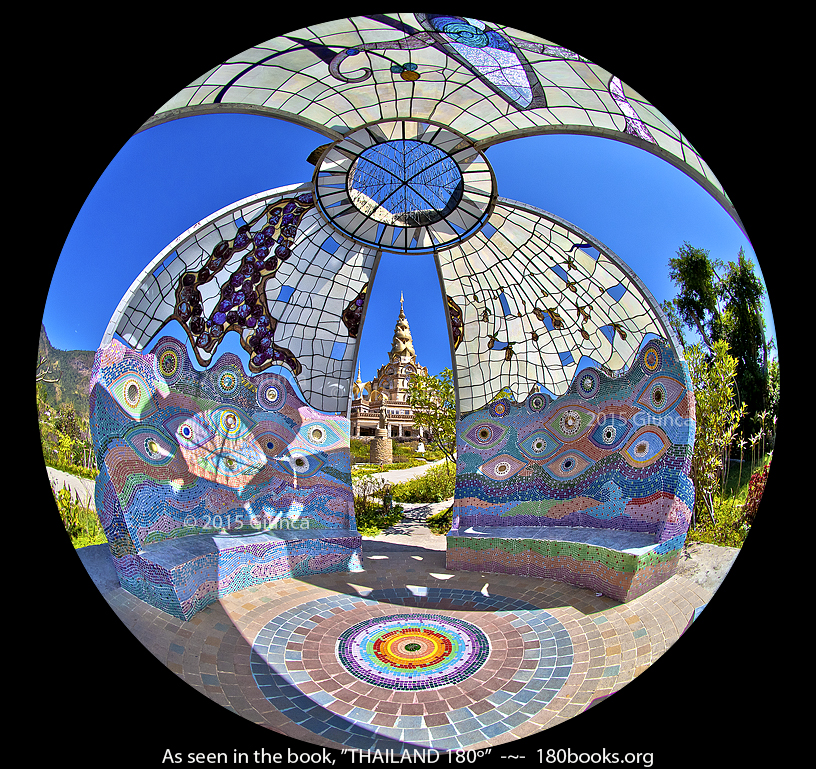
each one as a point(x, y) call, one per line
point(166, 179)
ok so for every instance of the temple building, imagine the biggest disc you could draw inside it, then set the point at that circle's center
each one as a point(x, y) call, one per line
point(387, 392)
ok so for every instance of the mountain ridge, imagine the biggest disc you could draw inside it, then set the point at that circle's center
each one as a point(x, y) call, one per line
point(72, 369)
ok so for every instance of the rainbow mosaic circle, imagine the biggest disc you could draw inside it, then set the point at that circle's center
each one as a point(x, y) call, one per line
point(169, 355)
point(271, 392)
point(228, 381)
point(651, 358)
point(413, 651)
point(537, 402)
point(589, 384)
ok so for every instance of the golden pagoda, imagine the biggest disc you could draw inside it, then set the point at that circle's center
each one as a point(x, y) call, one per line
point(387, 393)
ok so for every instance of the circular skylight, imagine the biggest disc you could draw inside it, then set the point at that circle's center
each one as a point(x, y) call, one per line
point(405, 186)
point(405, 183)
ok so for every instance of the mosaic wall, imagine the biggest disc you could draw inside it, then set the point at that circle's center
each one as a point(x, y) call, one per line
point(613, 453)
point(241, 461)
point(409, 103)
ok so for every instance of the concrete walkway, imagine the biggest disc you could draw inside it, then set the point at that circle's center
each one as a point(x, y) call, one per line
point(82, 487)
point(85, 487)
point(407, 474)
point(411, 533)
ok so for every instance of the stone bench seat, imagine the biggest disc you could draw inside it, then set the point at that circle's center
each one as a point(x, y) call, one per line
point(591, 488)
point(183, 452)
point(618, 563)
point(634, 542)
point(182, 575)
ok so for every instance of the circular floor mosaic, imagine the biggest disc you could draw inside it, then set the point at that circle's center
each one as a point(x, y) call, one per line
point(341, 666)
point(413, 651)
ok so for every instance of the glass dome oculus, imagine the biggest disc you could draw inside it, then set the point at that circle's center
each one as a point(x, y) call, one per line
point(405, 186)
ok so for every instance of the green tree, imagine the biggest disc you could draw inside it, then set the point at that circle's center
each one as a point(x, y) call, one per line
point(717, 414)
point(723, 302)
point(433, 401)
point(696, 304)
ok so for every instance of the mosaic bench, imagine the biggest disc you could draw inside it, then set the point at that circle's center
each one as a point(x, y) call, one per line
point(214, 481)
point(591, 488)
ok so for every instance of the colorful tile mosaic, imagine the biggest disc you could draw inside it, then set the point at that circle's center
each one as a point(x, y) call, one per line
point(611, 455)
point(544, 440)
point(507, 669)
point(214, 481)
point(410, 651)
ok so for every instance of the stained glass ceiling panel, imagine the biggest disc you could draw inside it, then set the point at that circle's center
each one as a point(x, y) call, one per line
point(486, 81)
point(272, 271)
point(529, 296)
point(409, 102)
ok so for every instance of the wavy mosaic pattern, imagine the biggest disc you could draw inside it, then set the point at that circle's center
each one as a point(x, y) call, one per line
point(612, 454)
point(235, 475)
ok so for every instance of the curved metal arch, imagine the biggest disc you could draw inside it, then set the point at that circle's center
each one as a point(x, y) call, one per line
point(553, 68)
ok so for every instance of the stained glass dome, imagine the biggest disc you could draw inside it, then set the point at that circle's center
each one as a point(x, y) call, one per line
point(408, 104)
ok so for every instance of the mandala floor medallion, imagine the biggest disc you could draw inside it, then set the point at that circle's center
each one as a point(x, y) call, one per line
point(384, 672)
point(413, 651)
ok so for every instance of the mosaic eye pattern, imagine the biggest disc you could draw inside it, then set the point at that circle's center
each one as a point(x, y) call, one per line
point(299, 462)
point(485, 435)
point(594, 468)
point(647, 445)
point(202, 453)
point(568, 465)
point(502, 467)
point(152, 444)
point(570, 422)
point(610, 431)
point(320, 435)
point(661, 394)
point(540, 445)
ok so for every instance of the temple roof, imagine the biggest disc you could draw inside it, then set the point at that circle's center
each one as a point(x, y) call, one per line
point(402, 343)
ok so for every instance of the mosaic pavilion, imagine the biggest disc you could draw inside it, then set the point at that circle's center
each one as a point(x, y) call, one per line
point(573, 401)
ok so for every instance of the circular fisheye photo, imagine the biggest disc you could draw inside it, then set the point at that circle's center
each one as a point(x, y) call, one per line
point(407, 389)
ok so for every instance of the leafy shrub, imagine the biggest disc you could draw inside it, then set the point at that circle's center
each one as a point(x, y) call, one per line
point(369, 511)
point(435, 485)
point(756, 487)
point(81, 522)
point(717, 419)
point(440, 522)
point(360, 471)
point(723, 527)
point(372, 519)
point(359, 450)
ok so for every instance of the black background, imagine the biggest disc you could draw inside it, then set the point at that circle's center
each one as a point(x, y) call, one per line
point(84, 83)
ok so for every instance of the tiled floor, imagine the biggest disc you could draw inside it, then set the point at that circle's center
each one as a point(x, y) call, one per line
point(269, 653)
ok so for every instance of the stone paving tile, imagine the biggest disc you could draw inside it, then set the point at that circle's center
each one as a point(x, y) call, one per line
point(270, 653)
